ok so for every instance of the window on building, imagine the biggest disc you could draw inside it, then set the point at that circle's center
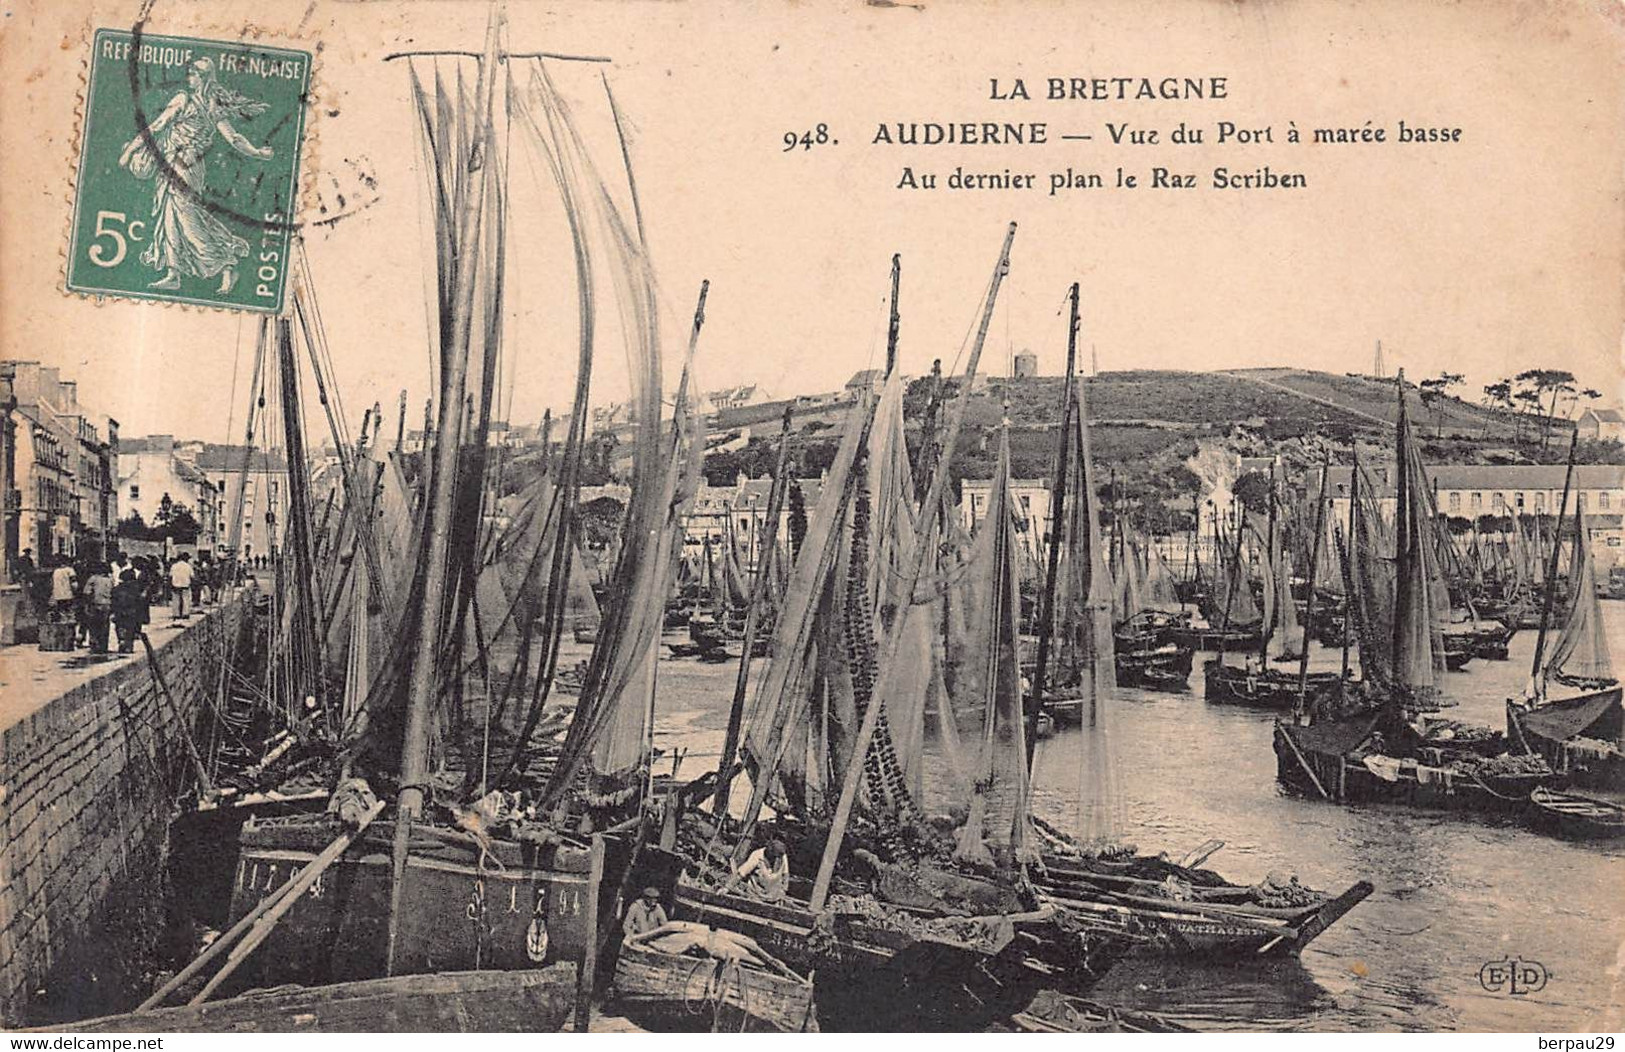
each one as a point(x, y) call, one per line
point(1580, 501)
point(1478, 501)
point(1519, 498)
point(135, 492)
point(1540, 502)
point(1602, 500)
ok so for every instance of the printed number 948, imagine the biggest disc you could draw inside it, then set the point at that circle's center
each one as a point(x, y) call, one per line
point(818, 136)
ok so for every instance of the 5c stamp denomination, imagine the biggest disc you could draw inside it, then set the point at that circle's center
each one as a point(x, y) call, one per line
point(188, 175)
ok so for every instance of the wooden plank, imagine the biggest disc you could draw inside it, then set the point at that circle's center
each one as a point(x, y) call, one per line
point(589, 960)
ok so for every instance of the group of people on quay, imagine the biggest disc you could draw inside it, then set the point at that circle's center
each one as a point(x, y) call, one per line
point(98, 596)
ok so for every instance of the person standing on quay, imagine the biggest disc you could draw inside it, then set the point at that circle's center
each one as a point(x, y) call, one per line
point(63, 585)
point(180, 579)
point(129, 610)
point(99, 606)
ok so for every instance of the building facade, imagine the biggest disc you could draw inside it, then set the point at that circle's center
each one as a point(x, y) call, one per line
point(1472, 491)
point(1604, 424)
point(154, 468)
point(61, 465)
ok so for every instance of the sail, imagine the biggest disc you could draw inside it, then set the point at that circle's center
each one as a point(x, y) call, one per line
point(788, 690)
point(990, 704)
point(1159, 592)
point(1418, 653)
point(1582, 653)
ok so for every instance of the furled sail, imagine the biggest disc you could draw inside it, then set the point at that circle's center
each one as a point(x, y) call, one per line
point(1581, 655)
point(989, 706)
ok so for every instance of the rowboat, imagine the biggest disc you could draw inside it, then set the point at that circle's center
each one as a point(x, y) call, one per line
point(442, 1002)
point(691, 968)
point(1576, 816)
point(1213, 919)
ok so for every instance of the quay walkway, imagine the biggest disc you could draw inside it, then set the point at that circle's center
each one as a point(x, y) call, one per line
point(31, 678)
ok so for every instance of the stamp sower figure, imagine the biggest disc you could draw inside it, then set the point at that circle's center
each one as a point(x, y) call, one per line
point(766, 873)
point(644, 915)
point(186, 237)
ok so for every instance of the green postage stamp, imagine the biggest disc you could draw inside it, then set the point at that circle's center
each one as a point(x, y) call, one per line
point(188, 170)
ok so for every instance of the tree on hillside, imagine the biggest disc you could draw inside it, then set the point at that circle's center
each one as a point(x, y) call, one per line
point(1528, 402)
point(1543, 381)
point(1433, 394)
point(1499, 396)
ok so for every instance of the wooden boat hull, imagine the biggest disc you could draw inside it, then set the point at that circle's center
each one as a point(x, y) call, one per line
point(442, 1002)
point(871, 976)
point(514, 907)
point(1267, 689)
point(1201, 930)
point(1549, 730)
point(671, 983)
point(1576, 817)
point(1337, 777)
point(1221, 639)
point(1162, 668)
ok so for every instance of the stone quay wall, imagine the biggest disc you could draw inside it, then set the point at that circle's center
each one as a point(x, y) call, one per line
point(88, 786)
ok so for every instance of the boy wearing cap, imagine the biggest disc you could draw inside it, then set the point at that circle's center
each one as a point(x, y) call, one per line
point(644, 915)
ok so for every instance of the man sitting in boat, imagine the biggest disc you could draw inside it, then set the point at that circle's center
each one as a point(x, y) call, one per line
point(644, 915)
point(766, 873)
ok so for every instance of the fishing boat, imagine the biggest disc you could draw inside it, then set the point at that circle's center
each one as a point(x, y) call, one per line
point(918, 917)
point(1572, 715)
point(1091, 874)
point(1576, 817)
point(683, 968)
point(1183, 911)
point(1256, 682)
point(505, 846)
point(1383, 743)
point(474, 1002)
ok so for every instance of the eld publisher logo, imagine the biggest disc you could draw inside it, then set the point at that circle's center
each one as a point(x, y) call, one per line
point(1513, 976)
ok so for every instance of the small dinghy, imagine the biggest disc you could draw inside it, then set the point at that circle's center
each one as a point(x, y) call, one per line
point(687, 968)
point(1575, 816)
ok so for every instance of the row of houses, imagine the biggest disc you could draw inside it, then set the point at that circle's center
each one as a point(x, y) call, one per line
point(209, 480)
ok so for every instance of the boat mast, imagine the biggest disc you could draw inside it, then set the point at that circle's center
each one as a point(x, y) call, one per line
point(1314, 563)
point(1537, 682)
point(307, 632)
point(753, 620)
point(441, 488)
point(888, 665)
point(1350, 584)
point(1273, 601)
point(1046, 608)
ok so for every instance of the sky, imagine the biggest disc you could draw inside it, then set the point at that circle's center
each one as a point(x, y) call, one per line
point(1499, 252)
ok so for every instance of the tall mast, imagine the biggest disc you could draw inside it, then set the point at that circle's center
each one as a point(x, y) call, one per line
point(1536, 680)
point(307, 632)
point(1351, 585)
point(891, 332)
point(441, 487)
point(1314, 563)
point(1046, 608)
point(753, 620)
point(888, 665)
point(1274, 601)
